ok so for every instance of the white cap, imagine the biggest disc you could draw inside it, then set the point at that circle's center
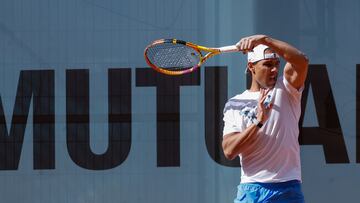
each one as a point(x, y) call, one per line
point(258, 54)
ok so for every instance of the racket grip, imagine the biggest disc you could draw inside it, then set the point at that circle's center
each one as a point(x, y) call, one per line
point(231, 48)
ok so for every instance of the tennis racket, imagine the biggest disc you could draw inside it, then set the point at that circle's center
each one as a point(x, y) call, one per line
point(177, 57)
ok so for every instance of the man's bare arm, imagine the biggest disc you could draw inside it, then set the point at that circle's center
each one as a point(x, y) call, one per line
point(295, 70)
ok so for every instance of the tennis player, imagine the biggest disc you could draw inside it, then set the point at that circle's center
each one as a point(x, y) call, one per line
point(261, 124)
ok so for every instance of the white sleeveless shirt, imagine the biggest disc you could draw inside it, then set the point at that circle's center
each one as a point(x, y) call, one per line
point(275, 154)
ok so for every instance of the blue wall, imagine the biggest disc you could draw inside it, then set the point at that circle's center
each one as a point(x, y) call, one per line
point(99, 35)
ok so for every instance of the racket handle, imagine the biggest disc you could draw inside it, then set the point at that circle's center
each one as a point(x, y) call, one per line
point(231, 48)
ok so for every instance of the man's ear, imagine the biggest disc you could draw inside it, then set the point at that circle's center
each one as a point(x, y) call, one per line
point(250, 67)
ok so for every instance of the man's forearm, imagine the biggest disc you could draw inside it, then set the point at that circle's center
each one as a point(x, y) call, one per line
point(287, 51)
point(234, 144)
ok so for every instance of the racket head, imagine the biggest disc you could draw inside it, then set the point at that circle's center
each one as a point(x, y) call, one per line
point(173, 57)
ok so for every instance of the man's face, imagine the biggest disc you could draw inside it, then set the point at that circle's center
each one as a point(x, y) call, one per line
point(265, 72)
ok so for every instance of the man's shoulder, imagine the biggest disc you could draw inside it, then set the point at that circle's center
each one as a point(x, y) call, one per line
point(283, 84)
point(246, 95)
point(240, 101)
point(239, 98)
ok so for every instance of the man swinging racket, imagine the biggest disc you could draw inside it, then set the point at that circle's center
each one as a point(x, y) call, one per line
point(261, 124)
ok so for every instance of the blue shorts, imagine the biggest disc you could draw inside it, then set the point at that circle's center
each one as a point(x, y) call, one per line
point(289, 192)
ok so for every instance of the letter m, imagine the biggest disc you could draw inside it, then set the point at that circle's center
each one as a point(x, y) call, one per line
point(36, 85)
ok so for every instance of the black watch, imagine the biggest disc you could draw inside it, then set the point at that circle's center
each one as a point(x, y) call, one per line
point(258, 123)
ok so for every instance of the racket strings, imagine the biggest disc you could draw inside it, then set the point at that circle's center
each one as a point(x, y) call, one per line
point(173, 56)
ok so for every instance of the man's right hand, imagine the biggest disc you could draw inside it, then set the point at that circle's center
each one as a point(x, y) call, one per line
point(263, 109)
